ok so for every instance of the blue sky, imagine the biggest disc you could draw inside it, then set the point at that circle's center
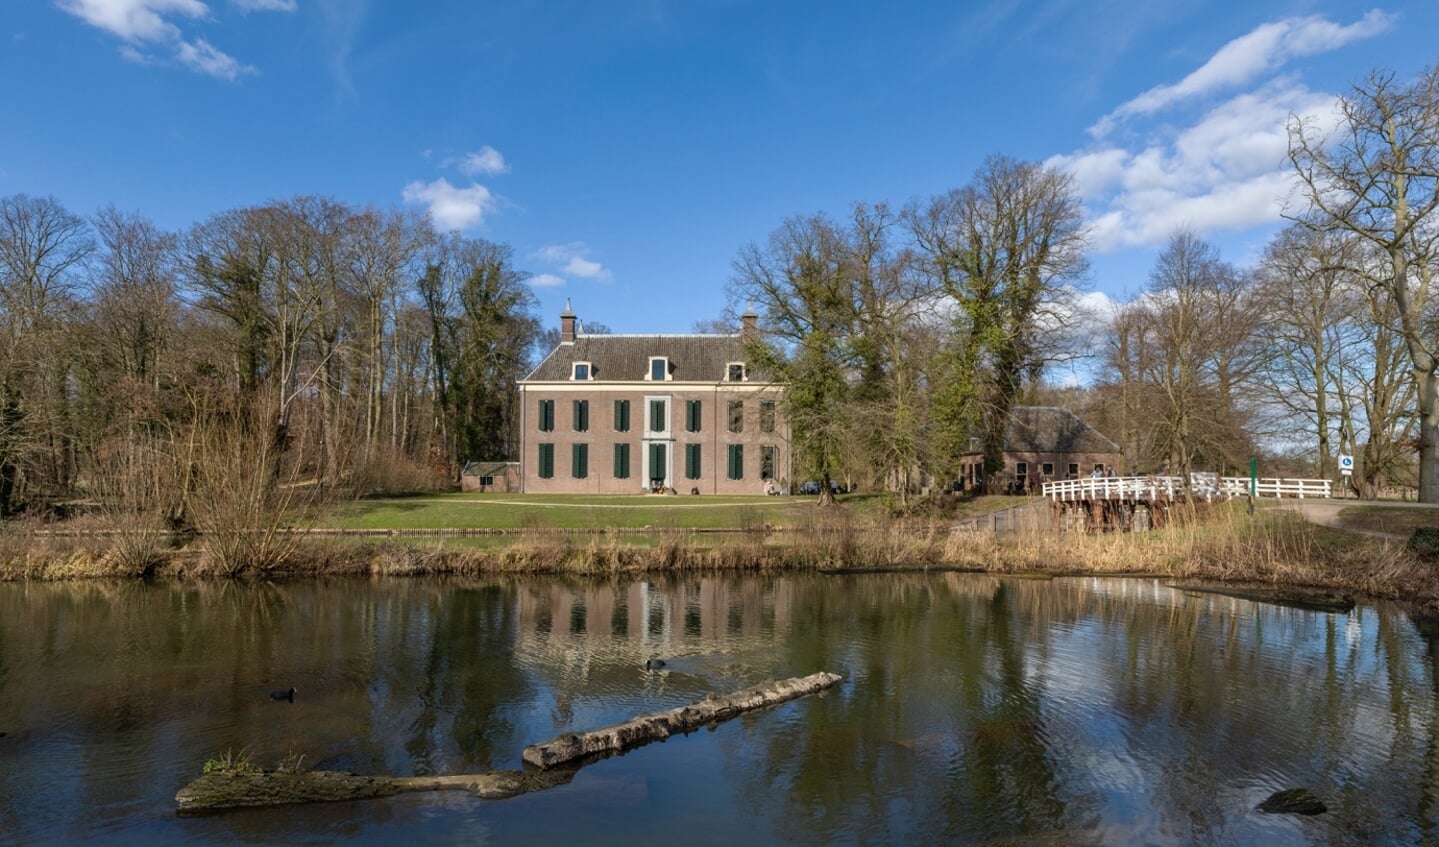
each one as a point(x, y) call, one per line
point(628, 150)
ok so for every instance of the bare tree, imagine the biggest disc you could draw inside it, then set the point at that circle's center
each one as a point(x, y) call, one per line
point(380, 255)
point(1305, 283)
point(1375, 176)
point(43, 248)
point(1191, 341)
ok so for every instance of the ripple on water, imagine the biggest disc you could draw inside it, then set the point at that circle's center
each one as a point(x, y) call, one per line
point(974, 710)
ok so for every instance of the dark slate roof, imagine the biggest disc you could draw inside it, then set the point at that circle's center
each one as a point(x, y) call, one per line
point(626, 358)
point(1050, 429)
point(484, 469)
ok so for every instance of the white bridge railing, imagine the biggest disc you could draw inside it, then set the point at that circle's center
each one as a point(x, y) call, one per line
point(1204, 486)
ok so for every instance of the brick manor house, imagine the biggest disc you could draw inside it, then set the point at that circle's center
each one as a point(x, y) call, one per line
point(628, 414)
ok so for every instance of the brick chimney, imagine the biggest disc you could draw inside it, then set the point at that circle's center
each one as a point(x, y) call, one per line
point(567, 324)
point(749, 326)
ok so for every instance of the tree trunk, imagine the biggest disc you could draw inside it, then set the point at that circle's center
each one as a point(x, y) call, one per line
point(252, 788)
point(658, 726)
point(1428, 400)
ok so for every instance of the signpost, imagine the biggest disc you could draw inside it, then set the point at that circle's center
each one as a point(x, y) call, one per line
point(1346, 468)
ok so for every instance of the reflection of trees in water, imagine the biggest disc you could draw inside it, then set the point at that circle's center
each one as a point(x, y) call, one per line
point(974, 707)
point(379, 670)
point(937, 736)
point(1046, 707)
point(1427, 805)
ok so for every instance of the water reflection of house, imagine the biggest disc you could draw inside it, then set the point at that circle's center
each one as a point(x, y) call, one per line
point(662, 614)
point(490, 476)
point(1041, 444)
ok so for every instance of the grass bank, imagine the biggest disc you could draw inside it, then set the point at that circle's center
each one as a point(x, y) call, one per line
point(1221, 544)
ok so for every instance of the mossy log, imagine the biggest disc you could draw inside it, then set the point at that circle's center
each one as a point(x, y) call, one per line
point(657, 726)
point(248, 787)
point(235, 789)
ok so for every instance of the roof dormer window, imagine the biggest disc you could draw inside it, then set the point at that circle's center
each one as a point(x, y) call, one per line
point(735, 372)
point(659, 369)
point(582, 372)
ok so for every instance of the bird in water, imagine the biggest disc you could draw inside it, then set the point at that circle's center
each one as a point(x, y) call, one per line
point(287, 694)
point(654, 664)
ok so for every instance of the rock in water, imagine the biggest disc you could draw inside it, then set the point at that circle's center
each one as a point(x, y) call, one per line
point(1293, 801)
point(653, 664)
point(287, 694)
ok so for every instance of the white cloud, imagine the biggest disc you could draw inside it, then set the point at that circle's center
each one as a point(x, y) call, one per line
point(546, 281)
point(1226, 168)
point(203, 57)
point(574, 259)
point(451, 207)
point(153, 22)
point(485, 161)
point(587, 269)
point(135, 20)
point(1263, 50)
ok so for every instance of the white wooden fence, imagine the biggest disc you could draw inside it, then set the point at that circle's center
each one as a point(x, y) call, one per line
point(1204, 486)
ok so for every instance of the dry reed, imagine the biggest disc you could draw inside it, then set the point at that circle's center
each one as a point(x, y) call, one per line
point(1223, 545)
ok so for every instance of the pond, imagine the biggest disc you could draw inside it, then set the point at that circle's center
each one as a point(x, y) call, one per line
point(974, 710)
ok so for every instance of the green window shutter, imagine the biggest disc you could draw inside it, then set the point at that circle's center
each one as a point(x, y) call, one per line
point(657, 416)
point(657, 461)
point(622, 461)
point(692, 461)
point(547, 461)
point(580, 460)
point(622, 416)
point(582, 415)
point(693, 413)
point(547, 415)
point(736, 461)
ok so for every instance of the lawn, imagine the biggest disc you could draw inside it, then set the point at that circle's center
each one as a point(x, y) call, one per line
point(1396, 520)
point(581, 511)
point(564, 511)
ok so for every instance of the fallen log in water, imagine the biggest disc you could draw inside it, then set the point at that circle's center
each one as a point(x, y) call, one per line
point(658, 726)
point(247, 787)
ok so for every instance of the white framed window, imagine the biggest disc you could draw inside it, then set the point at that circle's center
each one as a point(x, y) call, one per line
point(735, 372)
point(582, 371)
point(659, 369)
